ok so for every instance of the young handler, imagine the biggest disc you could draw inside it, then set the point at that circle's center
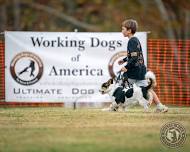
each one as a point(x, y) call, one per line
point(135, 69)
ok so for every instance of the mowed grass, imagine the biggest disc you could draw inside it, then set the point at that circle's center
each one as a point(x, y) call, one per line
point(87, 130)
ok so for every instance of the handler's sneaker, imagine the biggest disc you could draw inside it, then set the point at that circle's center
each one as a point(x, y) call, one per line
point(161, 108)
point(113, 107)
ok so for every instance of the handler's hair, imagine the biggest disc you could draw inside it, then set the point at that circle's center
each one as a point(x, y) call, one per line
point(130, 24)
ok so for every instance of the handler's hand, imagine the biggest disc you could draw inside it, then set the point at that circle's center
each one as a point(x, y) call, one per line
point(120, 62)
point(123, 69)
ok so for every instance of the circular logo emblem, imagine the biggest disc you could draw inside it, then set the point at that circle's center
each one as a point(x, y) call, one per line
point(26, 68)
point(114, 59)
point(173, 135)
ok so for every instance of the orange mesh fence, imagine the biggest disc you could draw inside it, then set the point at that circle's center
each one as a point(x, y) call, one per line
point(170, 61)
point(2, 70)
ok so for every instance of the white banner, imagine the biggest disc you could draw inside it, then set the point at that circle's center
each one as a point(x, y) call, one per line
point(62, 66)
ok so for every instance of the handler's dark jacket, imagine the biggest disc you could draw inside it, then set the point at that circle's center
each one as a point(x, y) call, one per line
point(135, 61)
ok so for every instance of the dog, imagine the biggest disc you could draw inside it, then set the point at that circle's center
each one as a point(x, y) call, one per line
point(127, 97)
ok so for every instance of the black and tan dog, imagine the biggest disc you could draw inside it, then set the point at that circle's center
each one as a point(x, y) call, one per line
point(129, 96)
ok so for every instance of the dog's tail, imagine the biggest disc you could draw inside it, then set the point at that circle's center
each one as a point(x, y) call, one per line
point(151, 78)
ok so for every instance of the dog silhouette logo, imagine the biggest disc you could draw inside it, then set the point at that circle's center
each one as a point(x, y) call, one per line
point(26, 68)
point(31, 66)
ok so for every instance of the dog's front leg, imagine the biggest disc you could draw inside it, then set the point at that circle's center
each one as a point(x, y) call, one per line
point(113, 107)
point(126, 105)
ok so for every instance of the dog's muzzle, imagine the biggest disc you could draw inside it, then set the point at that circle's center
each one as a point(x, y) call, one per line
point(102, 92)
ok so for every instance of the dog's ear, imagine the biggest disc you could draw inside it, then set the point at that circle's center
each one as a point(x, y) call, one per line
point(110, 81)
point(104, 85)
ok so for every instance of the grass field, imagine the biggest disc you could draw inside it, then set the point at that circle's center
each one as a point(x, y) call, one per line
point(87, 130)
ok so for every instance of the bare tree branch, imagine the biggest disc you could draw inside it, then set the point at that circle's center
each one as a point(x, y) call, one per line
point(165, 17)
point(3, 17)
point(16, 14)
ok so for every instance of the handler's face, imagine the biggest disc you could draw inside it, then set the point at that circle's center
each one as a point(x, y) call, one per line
point(125, 31)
